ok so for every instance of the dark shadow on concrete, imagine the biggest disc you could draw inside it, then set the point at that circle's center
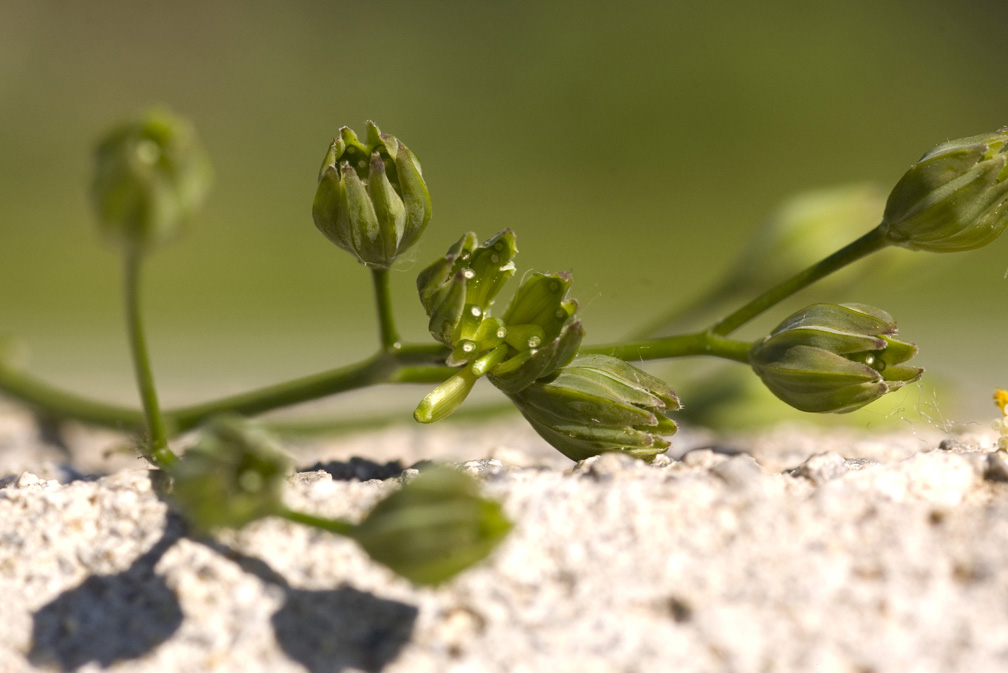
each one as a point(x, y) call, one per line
point(330, 631)
point(359, 468)
point(335, 630)
point(109, 618)
point(112, 618)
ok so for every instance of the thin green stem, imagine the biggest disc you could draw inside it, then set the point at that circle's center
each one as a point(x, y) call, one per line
point(413, 363)
point(382, 367)
point(684, 345)
point(336, 526)
point(46, 399)
point(365, 373)
point(383, 302)
point(871, 242)
point(157, 451)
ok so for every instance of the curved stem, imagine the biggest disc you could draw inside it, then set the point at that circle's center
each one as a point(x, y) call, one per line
point(336, 526)
point(383, 302)
point(413, 363)
point(157, 451)
point(871, 242)
point(368, 372)
point(684, 345)
point(45, 399)
point(397, 367)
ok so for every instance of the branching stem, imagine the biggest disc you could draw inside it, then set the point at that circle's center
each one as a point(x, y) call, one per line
point(871, 242)
point(394, 363)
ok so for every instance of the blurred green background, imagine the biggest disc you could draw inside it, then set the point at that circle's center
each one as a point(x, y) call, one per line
point(636, 143)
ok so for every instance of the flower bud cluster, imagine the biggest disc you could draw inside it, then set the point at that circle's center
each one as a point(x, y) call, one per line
point(834, 358)
point(537, 333)
point(371, 200)
point(582, 405)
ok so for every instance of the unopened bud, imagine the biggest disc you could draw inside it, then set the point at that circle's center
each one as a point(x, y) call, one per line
point(151, 176)
point(955, 198)
point(231, 477)
point(433, 528)
point(834, 358)
point(371, 199)
point(599, 403)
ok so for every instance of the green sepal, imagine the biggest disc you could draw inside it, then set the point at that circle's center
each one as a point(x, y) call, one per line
point(523, 369)
point(627, 377)
point(415, 196)
point(524, 337)
point(814, 380)
point(894, 353)
point(598, 403)
point(432, 280)
point(492, 265)
point(450, 304)
point(388, 208)
point(570, 398)
point(329, 209)
point(365, 233)
point(539, 300)
point(579, 443)
point(491, 333)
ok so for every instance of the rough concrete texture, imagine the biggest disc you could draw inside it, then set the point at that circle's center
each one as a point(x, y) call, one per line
point(788, 550)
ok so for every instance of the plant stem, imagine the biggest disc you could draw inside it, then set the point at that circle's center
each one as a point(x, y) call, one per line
point(48, 400)
point(396, 367)
point(871, 242)
point(383, 302)
point(156, 451)
point(700, 343)
point(368, 372)
point(412, 363)
point(337, 526)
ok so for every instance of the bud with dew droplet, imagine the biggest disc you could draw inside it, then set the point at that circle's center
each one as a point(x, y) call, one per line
point(834, 358)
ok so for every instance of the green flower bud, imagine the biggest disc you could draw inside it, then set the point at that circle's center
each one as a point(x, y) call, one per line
point(371, 198)
point(834, 358)
point(447, 397)
point(542, 331)
point(599, 403)
point(531, 364)
point(954, 198)
point(458, 290)
point(151, 176)
point(433, 528)
point(231, 477)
